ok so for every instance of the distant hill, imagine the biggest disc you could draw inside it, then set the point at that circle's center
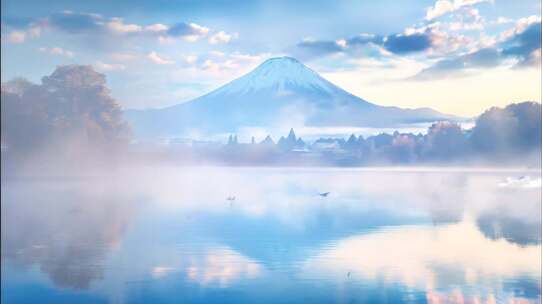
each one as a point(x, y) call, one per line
point(281, 92)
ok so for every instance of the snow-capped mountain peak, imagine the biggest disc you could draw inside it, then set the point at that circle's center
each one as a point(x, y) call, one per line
point(279, 92)
point(281, 74)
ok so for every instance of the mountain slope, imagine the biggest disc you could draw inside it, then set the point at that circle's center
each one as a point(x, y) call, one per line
point(280, 92)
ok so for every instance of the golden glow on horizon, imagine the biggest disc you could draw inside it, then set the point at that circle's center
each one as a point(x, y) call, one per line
point(466, 96)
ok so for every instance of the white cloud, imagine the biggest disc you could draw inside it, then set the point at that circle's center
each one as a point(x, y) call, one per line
point(520, 26)
point(197, 32)
point(485, 41)
point(154, 57)
point(165, 40)
point(216, 54)
point(534, 59)
point(440, 8)
point(459, 26)
point(191, 38)
point(341, 42)
point(210, 65)
point(470, 12)
point(443, 7)
point(460, 3)
point(156, 28)
point(105, 67)
point(222, 37)
point(504, 20)
point(443, 38)
point(122, 56)
point(57, 51)
point(190, 59)
point(34, 31)
point(16, 37)
point(117, 25)
point(199, 29)
point(247, 58)
point(96, 24)
point(234, 61)
point(217, 67)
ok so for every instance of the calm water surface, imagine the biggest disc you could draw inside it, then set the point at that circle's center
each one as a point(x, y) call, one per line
point(170, 235)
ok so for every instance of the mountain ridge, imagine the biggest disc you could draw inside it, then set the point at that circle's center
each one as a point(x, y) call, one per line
point(279, 92)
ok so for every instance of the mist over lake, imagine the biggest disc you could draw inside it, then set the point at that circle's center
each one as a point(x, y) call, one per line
point(164, 234)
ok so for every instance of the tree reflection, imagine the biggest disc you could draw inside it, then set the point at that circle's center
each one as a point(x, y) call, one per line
point(66, 230)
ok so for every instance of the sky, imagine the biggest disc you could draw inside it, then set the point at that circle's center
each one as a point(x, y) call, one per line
point(456, 56)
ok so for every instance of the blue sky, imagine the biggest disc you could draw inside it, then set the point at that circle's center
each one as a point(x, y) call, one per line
point(457, 56)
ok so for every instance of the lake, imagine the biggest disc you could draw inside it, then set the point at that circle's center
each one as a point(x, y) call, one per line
point(270, 235)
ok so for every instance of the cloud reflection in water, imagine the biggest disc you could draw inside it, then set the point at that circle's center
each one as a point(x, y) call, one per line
point(165, 232)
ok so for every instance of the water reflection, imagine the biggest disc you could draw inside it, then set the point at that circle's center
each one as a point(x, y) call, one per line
point(222, 266)
point(434, 259)
point(65, 228)
point(163, 234)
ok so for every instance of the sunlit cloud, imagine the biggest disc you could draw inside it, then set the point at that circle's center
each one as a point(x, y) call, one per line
point(222, 37)
point(106, 67)
point(155, 58)
point(190, 59)
point(57, 51)
point(156, 28)
point(216, 54)
point(117, 25)
point(81, 23)
point(503, 20)
point(15, 37)
point(443, 7)
point(123, 56)
point(519, 27)
point(187, 31)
